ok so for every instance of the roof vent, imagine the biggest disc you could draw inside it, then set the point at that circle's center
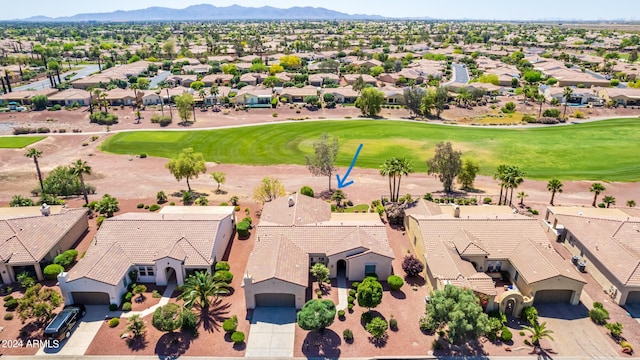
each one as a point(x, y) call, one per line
point(456, 211)
point(291, 201)
point(45, 210)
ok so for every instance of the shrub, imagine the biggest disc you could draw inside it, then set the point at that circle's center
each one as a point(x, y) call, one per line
point(99, 220)
point(352, 292)
point(51, 271)
point(350, 306)
point(347, 335)
point(377, 327)
point(127, 296)
point(578, 114)
point(142, 155)
point(412, 266)
point(243, 229)
point(355, 285)
point(625, 345)
point(237, 337)
point(307, 191)
point(393, 324)
point(155, 294)
point(11, 304)
point(506, 334)
point(8, 316)
point(162, 120)
point(508, 108)
point(395, 282)
point(188, 319)
point(140, 206)
point(599, 315)
point(161, 197)
point(222, 265)
point(522, 333)
point(26, 280)
point(366, 317)
point(113, 307)
point(531, 314)
point(225, 276)
point(114, 322)
point(126, 306)
point(275, 114)
point(231, 324)
point(351, 299)
point(427, 324)
point(552, 113)
point(187, 197)
point(154, 207)
point(101, 118)
point(341, 314)
point(7, 298)
point(615, 329)
point(66, 258)
point(528, 119)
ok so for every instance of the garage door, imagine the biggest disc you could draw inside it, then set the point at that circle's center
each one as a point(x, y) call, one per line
point(551, 296)
point(633, 297)
point(276, 300)
point(90, 298)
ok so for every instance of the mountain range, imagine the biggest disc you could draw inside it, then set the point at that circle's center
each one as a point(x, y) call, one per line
point(206, 12)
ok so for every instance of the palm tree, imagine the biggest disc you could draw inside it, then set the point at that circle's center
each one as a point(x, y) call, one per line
point(566, 94)
point(541, 100)
point(403, 167)
point(200, 288)
point(521, 196)
point(387, 170)
point(395, 168)
point(596, 188)
point(500, 175)
point(513, 178)
point(554, 185)
point(538, 332)
point(631, 203)
point(34, 154)
point(609, 200)
point(338, 196)
point(80, 168)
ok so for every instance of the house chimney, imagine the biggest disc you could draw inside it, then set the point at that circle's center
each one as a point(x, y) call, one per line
point(45, 210)
point(291, 201)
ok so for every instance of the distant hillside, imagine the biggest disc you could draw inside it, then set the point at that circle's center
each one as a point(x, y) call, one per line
point(211, 12)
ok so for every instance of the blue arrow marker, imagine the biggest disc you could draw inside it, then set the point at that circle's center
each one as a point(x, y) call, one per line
point(342, 182)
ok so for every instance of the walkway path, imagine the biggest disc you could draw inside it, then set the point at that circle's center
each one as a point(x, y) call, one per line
point(166, 296)
point(342, 292)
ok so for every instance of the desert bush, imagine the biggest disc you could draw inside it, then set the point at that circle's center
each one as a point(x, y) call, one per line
point(599, 315)
point(552, 113)
point(155, 294)
point(395, 282)
point(162, 120)
point(222, 265)
point(243, 228)
point(347, 335)
point(140, 206)
point(355, 285)
point(7, 298)
point(231, 324)
point(393, 324)
point(237, 337)
point(506, 334)
point(531, 314)
point(412, 266)
point(11, 304)
point(528, 119)
point(126, 306)
point(366, 317)
point(66, 258)
point(154, 207)
point(51, 271)
point(614, 328)
point(341, 314)
point(508, 108)
point(188, 319)
point(161, 197)
point(351, 300)
point(225, 276)
point(352, 292)
point(114, 322)
point(8, 316)
point(102, 118)
point(307, 191)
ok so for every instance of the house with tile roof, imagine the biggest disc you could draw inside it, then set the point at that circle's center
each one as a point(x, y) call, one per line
point(505, 258)
point(297, 232)
point(30, 239)
point(606, 242)
point(161, 248)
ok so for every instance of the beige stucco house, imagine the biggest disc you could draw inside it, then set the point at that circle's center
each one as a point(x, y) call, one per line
point(505, 258)
point(162, 247)
point(31, 237)
point(295, 233)
point(606, 242)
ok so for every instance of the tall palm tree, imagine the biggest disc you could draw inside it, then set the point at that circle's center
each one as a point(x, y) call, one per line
point(515, 177)
point(500, 175)
point(387, 170)
point(566, 93)
point(554, 185)
point(538, 332)
point(34, 154)
point(200, 288)
point(395, 168)
point(596, 188)
point(521, 196)
point(609, 200)
point(541, 100)
point(403, 167)
point(80, 168)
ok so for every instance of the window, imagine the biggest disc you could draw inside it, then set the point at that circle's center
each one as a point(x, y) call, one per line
point(515, 278)
point(498, 265)
point(369, 269)
point(150, 271)
point(142, 270)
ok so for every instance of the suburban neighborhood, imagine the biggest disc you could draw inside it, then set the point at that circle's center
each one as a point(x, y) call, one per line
point(306, 183)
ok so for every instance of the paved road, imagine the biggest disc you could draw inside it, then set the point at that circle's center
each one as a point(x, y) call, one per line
point(162, 76)
point(43, 84)
point(460, 74)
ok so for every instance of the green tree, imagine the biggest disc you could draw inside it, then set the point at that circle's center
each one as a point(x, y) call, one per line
point(188, 165)
point(197, 85)
point(447, 163)
point(316, 314)
point(513, 177)
point(376, 70)
point(413, 96)
point(79, 169)
point(338, 196)
point(167, 318)
point(440, 100)
point(40, 102)
point(184, 103)
point(566, 94)
point(321, 273)
point(62, 182)
point(554, 186)
point(370, 101)
point(377, 327)
point(596, 188)
point(136, 326)
point(521, 195)
point(38, 303)
point(609, 200)
point(219, 177)
point(107, 206)
point(359, 84)
point(270, 81)
point(394, 169)
point(468, 173)
point(201, 288)
point(34, 154)
point(369, 293)
point(322, 163)
point(538, 332)
point(459, 310)
point(269, 189)
point(143, 83)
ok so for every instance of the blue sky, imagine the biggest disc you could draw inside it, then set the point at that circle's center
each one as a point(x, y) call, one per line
point(487, 9)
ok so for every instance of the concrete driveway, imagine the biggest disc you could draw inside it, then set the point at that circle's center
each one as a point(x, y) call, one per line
point(272, 333)
point(574, 333)
point(82, 335)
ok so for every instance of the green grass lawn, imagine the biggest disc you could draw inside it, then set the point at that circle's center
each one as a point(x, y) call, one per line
point(604, 150)
point(359, 208)
point(18, 142)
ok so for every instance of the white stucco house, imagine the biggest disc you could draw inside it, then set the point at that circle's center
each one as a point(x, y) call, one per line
point(297, 232)
point(162, 247)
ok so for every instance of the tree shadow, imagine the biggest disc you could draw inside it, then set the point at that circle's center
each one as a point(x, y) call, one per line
point(173, 344)
point(469, 348)
point(212, 317)
point(325, 344)
point(398, 294)
point(379, 343)
point(374, 314)
point(239, 346)
point(418, 280)
point(137, 343)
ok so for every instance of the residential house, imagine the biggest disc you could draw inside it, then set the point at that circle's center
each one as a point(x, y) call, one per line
point(393, 95)
point(24, 97)
point(318, 80)
point(150, 97)
point(189, 61)
point(253, 97)
point(197, 69)
point(117, 97)
point(217, 80)
point(181, 80)
point(402, 77)
point(163, 248)
point(70, 97)
point(606, 242)
point(121, 72)
point(505, 258)
point(297, 232)
point(621, 96)
point(349, 79)
point(31, 237)
point(578, 97)
point(297, 95)
point(343, 95)
point(252, 78)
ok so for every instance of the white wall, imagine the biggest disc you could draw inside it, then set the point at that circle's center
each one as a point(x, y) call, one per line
point(225, 231)
point(356, 264)
point(161, 270)
point(272, 286)
point(87, 285)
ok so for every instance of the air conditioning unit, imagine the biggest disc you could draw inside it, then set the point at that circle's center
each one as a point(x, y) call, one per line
point(582, 267)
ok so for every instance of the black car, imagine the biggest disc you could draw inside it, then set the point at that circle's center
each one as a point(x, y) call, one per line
point(60, 327)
